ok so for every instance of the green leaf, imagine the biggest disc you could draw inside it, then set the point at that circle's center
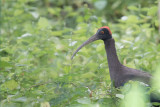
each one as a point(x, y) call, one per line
point(45, 104)
point(152, 11)
point(11, 85)
point(57, 33)
point(156, 23)
point(18, 12)
point(133, 8)
point(88, 75)
point(4, 64)
point(132, 19)
point(43, 23)
point(156, 78)
point(20, 99)
point(84, 100)
point(100, 4)
point(135, 96)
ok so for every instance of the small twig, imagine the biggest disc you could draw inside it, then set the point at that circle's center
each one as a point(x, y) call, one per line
point(36, 85)
point(90, 91)
point(72, 84)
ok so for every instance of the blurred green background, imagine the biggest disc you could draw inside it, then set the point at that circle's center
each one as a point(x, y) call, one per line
point(38, 38)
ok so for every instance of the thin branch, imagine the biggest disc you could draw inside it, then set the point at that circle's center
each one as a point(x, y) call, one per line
point(36, 85)
point(40, 84)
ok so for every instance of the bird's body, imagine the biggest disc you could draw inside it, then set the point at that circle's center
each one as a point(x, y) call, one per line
point(119, 73)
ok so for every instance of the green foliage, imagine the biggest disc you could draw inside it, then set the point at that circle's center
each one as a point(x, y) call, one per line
point(137, 91)
point(38, 38)
point(156, 78)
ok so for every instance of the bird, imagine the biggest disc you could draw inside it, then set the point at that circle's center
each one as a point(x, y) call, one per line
point(119, 73)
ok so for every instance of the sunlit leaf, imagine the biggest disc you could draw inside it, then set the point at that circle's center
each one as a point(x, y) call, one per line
point(152, 11)
point(43, 23)
point(11, 85)
point(84, 100)
point(100, 4)
point(134, 96)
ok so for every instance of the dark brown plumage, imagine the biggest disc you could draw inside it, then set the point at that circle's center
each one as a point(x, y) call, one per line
point(119, 73)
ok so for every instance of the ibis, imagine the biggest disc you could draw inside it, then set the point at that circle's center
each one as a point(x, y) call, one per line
point(119, 73)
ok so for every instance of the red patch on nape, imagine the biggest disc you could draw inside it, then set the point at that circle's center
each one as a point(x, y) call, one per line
point(107, 28)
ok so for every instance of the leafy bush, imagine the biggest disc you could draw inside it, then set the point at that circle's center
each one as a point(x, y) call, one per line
point(39, 37)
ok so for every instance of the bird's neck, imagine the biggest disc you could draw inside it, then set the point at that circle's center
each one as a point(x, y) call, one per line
point(113, 61)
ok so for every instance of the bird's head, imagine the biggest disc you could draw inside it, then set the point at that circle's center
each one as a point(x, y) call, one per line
point(102, 33)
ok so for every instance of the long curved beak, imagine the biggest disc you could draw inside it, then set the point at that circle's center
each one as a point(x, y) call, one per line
point(91, 39)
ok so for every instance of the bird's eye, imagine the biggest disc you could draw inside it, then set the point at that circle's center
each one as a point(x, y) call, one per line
point(102, 32)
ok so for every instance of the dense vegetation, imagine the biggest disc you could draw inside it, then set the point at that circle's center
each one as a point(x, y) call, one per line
point(38, 38)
